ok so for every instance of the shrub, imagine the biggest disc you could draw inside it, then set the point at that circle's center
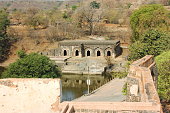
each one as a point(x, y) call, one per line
point(163, 64)
point(32, 66)
point(21, 54)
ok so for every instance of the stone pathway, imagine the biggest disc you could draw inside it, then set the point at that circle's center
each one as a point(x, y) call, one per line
point(110, 92)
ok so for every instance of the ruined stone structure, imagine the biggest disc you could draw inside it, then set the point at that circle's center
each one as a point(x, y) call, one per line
point(86, 48)
point(142, 96)
point(75, 56)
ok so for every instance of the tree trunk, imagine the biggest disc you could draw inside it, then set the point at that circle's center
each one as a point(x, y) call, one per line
point(91, 29)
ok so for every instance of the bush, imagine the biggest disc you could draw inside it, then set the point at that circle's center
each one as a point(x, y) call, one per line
point(21, 54)
point(32, 66)
point(163, 64)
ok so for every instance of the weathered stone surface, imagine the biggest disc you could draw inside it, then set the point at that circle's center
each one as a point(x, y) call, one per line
point(134, 90)
point(143, 73)
point(29, 95)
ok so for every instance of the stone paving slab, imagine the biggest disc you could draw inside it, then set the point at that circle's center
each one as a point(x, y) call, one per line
point(110, 92)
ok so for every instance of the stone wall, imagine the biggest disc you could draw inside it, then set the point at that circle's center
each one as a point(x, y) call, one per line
point(142, 81)
point(29, 95)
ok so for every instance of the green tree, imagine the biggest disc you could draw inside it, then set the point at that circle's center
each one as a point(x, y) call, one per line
point(74, 7)
point(148, 17)
point(152, 42)
point(163, 64)
point(4, 22)
point(4, 40)
point(32, 66)
point(95, 5)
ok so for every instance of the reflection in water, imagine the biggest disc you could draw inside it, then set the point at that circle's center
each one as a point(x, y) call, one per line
point(72, 93)
point(74, 86)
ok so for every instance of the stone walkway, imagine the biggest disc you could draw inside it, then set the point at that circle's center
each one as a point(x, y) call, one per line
point(110, 92)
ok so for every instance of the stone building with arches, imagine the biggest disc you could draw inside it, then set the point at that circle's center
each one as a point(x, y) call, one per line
point(87, 48)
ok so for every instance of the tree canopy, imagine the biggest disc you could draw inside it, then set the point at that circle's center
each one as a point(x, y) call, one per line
point(32, 66)
point(4, 22)
point(95, 5)
point(147, 17)
point(163, 64)
point(153, 42)
point(4, 40)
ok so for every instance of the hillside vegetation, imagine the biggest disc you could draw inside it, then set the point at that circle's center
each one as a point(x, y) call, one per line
point(39, 25)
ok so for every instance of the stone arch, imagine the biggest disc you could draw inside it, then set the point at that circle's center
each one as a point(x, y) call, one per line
point(108, 52)
point(98, 52)
point(65, 52)
point(76, 52)
point(88, 52)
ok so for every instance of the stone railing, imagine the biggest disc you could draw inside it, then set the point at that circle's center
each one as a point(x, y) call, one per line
point(142, 96)
point(141, 78)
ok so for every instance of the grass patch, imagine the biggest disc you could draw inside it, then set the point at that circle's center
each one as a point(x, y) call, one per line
point(124, 89)
point(119, 75)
